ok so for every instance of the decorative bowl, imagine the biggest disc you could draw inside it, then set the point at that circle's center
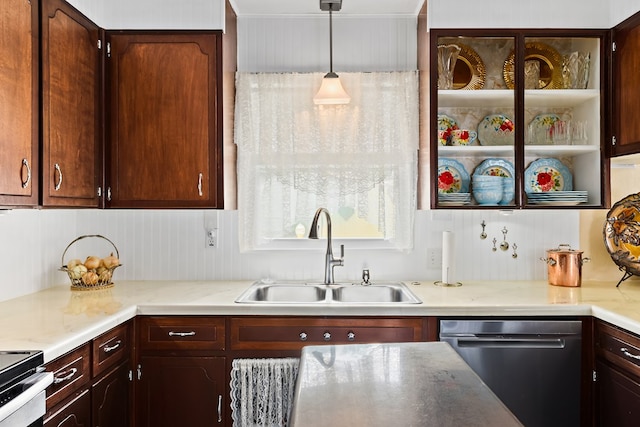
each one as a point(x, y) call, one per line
point(488, 197)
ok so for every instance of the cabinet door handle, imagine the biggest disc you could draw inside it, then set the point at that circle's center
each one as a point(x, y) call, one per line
point(200, 184)
point(182, 334)
point(351, 336)
point(219, 408)
point(303, 336)
point(625, 351)
point(326, 336)
point(57, 169)
point(109, 349)
point(25, 165)
point(65, 376)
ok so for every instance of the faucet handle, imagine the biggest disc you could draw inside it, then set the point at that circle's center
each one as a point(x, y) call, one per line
point(341, 251)
point(365, 277)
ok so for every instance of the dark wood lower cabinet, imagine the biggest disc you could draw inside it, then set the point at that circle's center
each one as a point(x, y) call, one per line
point(181, 391)
point(92, 383)
point(110, 398)
point(617, 377)
point(74, 413)
point(618, 397)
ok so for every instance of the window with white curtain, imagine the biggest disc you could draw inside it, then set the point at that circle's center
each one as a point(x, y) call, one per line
point(357, 160)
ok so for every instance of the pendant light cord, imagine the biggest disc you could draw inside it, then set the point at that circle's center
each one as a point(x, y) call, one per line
point(331, 39)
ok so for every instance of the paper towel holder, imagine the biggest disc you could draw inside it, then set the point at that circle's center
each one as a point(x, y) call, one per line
point(443, 284)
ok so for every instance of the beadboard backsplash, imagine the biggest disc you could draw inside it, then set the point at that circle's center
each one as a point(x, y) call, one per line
point(170, 245)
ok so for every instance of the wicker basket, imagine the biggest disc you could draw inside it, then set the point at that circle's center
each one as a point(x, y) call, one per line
point(81, 279)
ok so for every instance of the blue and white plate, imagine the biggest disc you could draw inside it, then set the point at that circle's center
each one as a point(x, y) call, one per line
point(495, 167)
point(558, 198)
point(452, 176)
point(545, 175)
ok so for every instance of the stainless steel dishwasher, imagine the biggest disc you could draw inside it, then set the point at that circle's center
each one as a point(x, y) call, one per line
point(533, 366)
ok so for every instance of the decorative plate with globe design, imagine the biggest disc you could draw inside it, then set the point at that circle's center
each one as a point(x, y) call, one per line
point(622, 234)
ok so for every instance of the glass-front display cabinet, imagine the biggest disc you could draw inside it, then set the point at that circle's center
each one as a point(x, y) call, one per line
point(516, 118)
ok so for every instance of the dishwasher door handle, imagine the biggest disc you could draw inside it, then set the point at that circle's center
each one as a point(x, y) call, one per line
point(506, 342)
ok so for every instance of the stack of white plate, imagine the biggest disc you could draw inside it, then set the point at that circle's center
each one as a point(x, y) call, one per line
point(558, 198)
point(454, 199)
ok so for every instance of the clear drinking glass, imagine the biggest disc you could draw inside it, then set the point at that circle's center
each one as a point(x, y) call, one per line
point(575, 70)
point(579, 132)
point(447, 57)
point(532, 74)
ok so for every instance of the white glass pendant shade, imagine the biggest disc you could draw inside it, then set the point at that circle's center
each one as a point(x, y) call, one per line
point(331, 91)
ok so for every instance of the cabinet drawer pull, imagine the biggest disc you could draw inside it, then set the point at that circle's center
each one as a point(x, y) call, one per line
point(351, 336)
point(219, 408)
point(108, 349)
point(65, 376)
point(57, 185)
point(200, 184)
point(182, 334)
point(303, 336)
point(25, 165)
point(625, 351)
point(326, 336)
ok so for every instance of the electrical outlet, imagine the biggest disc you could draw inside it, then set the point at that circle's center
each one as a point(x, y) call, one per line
point(211, 239)
point(434, 258)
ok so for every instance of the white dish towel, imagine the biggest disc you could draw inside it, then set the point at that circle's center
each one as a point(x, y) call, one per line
point(262, 391)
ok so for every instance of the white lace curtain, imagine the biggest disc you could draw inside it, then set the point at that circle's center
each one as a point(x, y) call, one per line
point(356, 159)
point(262, 391)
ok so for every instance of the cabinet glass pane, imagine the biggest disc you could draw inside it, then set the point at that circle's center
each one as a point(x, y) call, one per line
point(562, 137)
point(475, 130)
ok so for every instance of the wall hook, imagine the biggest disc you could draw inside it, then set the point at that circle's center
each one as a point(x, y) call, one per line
point(504, 245)
point(514, 254)
point(494, 244)
point(483, 235)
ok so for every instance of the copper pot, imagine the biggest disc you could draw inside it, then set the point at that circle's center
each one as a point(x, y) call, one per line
point(564, 266)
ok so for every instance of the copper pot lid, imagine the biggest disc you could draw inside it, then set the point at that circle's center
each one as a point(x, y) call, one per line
point(564, 248)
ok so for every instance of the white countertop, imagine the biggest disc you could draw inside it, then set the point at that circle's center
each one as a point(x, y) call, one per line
point(57, 320)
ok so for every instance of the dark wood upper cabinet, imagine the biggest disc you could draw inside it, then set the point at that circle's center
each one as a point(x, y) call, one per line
point(19, 103)
point(547, 133)
point(626, 87)
point(71, 131)
point(164, 119)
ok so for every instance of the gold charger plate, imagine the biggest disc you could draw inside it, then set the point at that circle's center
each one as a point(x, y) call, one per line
point(550, 65)
point(622, 233)
point(469, 72)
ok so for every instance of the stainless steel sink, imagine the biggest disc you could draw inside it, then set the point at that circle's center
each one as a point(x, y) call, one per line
point(263, 292)
point(375, 293)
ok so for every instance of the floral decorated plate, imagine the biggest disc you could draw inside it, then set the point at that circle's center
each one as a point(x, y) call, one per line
point(544, 175)
point(452, 176)
point(496, 129)
point(495, 167)
point(622, 234)
point(446, 125)
point(539, 131)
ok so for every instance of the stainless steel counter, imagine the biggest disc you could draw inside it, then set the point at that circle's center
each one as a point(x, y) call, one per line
point(409, 384)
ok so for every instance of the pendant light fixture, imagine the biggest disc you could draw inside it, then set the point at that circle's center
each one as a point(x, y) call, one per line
point(331, 91)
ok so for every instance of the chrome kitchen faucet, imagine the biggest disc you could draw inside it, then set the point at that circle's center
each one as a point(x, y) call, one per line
point(330, 261)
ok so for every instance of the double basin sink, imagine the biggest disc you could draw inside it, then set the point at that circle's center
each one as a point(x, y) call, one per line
point(268, 292)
